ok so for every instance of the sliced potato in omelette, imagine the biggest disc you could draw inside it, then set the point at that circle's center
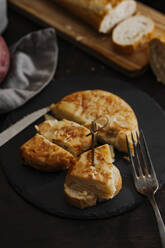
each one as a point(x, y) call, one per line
point(86, 106)
point(67, 134)
point(40, 153)
point(86, 184)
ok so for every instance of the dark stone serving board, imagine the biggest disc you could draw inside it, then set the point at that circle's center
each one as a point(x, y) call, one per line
point(45, 190)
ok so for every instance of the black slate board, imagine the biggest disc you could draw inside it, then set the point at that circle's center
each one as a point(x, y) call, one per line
point(45, 190)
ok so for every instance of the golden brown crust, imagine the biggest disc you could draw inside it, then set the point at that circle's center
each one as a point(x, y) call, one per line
point(86, 106)
point(86, 184)
point(139, 45)
point(129, 49)
point(101, 170)
point(43, 155)
point(91, 11)
point(67, 134)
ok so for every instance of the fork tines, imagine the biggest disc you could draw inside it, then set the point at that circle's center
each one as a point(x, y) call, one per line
point(140, 157)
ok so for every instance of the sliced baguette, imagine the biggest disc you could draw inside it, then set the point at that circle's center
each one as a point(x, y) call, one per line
point(119, 13)
point(86, 184)
point(157, 57)
point(103, 15)
point(133, 32)
point(40, 153)
point(67, 134)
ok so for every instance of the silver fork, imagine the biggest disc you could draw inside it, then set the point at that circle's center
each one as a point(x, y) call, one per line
point(144, 176)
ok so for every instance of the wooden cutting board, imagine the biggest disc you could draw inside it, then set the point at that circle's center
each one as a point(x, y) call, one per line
point(46, 12)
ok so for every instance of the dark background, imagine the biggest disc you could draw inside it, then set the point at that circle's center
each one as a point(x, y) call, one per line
point(22, 225)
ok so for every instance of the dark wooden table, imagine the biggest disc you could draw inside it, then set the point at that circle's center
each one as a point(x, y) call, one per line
point(22, 225)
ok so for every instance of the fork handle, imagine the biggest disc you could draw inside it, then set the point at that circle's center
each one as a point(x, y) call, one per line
point(160, 222)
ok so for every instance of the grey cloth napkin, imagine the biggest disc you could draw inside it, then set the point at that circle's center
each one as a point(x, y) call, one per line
point(33, 64)
point(3, 15)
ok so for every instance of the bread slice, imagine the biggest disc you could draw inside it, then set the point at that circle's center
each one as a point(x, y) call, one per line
point(86, 106)
point(117, 14)
point(157, 57)
point(133, 32)
point(67, 134)
point(86, 184)
point(40, 153)
point(103, 15)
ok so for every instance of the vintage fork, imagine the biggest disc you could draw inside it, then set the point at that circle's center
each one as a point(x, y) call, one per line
point(144, 176)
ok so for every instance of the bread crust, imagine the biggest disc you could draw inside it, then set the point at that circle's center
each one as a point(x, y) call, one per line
point(43, 155)
point(86, 106)
point(90, 11)
point(142, 43)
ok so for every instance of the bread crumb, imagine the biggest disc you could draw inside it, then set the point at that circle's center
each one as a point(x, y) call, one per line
point(79, 38)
